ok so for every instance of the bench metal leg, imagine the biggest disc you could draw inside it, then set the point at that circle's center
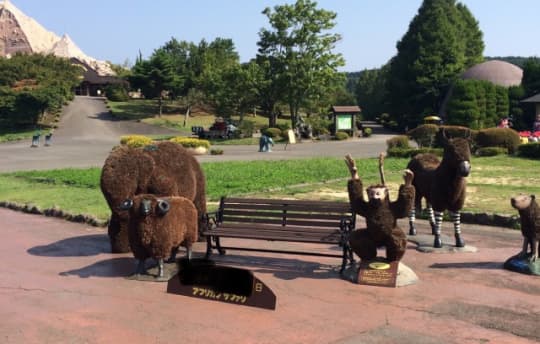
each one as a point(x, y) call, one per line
point(348, 257)
point(208, 247)
point(219, 248)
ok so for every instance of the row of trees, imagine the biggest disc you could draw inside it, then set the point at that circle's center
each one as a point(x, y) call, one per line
point(442, 41)
point(33, 84)
point(295, 68)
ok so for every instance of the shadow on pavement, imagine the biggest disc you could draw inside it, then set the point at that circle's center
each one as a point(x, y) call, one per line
point(282, 268)
point(469, 265)
point(81, 246)
point(115, 267)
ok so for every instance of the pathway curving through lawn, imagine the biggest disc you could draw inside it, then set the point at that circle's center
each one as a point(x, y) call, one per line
point(87, 132)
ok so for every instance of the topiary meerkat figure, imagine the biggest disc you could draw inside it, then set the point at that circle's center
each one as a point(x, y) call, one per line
point(381, 215)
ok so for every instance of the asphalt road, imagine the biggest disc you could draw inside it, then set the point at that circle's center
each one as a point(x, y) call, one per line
point(86, 134)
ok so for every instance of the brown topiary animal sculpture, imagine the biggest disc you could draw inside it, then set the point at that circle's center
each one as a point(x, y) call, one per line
point(163, 169)
point(442, 184)
point(529, 215)
point(381, 216)
point(157, 226)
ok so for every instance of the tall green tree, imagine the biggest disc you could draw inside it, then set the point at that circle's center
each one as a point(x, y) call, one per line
point(531, 76)
point(298, 50)
point(433, 52)
point(473, 36)
point(155, 77)
point(462, 108)
point(371, 93)
point(519, 121)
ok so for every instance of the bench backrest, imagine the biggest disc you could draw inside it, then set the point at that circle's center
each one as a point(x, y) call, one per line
point(323, 214)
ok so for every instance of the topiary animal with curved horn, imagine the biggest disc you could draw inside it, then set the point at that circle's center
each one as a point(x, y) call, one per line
point(442, 184)
point(158, 226)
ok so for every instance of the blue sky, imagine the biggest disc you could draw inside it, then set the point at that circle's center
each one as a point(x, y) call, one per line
point(116, 30)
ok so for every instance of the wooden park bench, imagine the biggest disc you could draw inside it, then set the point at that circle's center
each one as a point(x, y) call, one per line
point(317, 222)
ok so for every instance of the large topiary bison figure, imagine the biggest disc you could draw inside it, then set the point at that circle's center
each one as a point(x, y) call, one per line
point(162, 169)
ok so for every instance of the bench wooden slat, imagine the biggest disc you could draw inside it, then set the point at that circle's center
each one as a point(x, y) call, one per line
point(289, 222)
point(288, 214)
point(281, 236)
point(263, 227)
point(308, 208)
point(231, 200)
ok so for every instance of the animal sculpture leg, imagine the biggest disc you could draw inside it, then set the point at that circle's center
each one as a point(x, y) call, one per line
point(524, 248)
point(431, 218)
point(437, 242)
point(412, 218)
point(172, 257)
point(456, 219)
point(534, 253)
point(140, 269)
point(160, 268)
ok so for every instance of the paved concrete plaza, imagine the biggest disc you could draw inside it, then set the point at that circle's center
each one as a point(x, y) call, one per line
point(60, 284)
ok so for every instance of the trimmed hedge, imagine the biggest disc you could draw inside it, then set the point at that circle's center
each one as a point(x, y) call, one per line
point(272, 132)
point(411, 152)
point(529, 150)
point(136, 140)
point(341, 135)
point(400, 141)
point(499, 137)
point(424, 135)
point(189, 142)
point(491, 151)
point(366, 132)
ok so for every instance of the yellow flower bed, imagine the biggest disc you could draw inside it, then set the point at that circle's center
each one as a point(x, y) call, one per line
point(136, 140)
point(189, 142)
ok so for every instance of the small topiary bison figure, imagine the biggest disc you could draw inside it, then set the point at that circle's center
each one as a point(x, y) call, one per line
point(157, 226)
point(529, 215)
point(163, 169)
point(442, 184)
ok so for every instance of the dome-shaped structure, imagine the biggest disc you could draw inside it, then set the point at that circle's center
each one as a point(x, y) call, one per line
point(495, 71)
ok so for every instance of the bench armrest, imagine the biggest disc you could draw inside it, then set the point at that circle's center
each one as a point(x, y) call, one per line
point(212, 219)
point(346, 226)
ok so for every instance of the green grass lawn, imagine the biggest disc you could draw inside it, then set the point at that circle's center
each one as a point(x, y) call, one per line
point(492, 182)
point(174, 115)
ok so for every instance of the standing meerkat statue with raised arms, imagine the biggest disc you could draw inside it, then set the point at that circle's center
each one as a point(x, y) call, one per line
point(380, 213)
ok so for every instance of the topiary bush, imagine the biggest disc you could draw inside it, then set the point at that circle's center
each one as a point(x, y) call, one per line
point(319, 124)
point(424, 135)
point(189, 142)
point(341, 135)
point(491, 151)
point(116, 93)
point(529, 150)
point(498, 137)
point(272, 132)
point(136, 140)
point(400, 141)
point(366, 132)
point(245, 129)
point(398, 152)
point(284, 126)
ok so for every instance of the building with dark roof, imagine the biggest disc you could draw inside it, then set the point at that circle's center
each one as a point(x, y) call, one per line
point(93, 84)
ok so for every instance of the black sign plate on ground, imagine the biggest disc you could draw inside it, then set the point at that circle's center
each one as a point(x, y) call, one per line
point(378, 273)
point(206, 280)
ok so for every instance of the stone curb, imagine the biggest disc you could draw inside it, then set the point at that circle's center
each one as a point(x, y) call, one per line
point(506, 221)
point(54, 212)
